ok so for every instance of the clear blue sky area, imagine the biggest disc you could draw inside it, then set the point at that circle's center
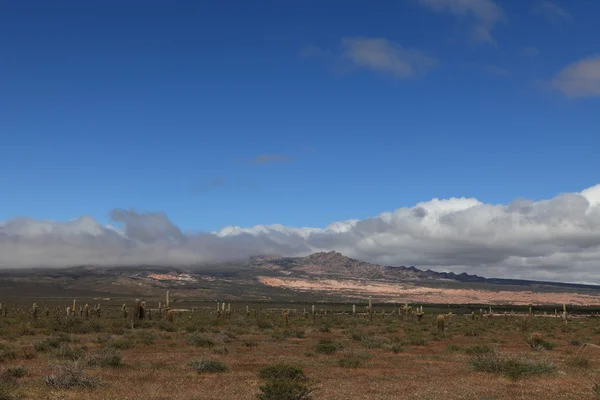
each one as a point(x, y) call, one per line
point(299, 113)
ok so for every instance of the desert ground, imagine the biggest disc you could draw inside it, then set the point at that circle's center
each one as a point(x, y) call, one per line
point(285, 352)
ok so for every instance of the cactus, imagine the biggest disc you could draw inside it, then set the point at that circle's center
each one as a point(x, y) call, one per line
point(86, 311)
point(136, 311)
point(440, 323)
point(69, 311)
point(564, 313)
point(247, 311)
point(286, 317)
point(73, 308)
point(419, 314)
point(142, 311)
point(354, 310)
point(168, 308)
point(313, 312)
point(169, 315)
point(34, 310)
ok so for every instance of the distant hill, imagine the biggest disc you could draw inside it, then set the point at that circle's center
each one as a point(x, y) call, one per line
point(321, 276)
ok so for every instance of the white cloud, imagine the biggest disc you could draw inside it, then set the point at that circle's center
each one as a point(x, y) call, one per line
point(486, 14)
point(555, 239)
point(382, 55)
point(552, 11)
point(580, 79)
point(378, 55)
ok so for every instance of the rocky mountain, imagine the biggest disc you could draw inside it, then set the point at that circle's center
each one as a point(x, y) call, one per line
point(321, 276)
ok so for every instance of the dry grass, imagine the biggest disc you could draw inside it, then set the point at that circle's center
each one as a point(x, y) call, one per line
point(343, 357)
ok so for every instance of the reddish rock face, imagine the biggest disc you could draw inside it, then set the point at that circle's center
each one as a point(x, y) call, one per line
point(394, 292)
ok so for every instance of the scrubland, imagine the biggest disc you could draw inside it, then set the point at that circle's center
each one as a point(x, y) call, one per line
point(285, 354)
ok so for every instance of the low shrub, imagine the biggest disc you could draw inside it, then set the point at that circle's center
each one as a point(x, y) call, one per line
point(199, 340)
point(512, 367)
point(284, 390)
point(282, 371)
point(14, 372)
point(327, 346)
point(353, 359)
point(208, 366)
point(71, 375)
point(537, 342)
point(478, 349)
point(106, 357)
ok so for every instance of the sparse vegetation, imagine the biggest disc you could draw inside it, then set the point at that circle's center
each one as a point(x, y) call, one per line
point(327, 346)
point(208, 366)
point(66, 376)
point(336, 349)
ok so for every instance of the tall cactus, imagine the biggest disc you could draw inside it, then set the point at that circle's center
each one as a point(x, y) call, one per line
point(168, 308)
point(440, 323)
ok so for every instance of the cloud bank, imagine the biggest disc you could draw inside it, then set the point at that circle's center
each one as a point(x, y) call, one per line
point(556, 239)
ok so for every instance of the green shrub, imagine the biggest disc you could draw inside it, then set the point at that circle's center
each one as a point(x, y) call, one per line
point(512, 367)
point(536, 342)
point(478, 349)
point(284, 390)
point(66, 352)
point(51, 343)
point(282, 371)
point(515, 368)
point(71, 375)
point(208, 366)
point(106, 357)
point(199, 340)
point(327, 346)
point(15, 372)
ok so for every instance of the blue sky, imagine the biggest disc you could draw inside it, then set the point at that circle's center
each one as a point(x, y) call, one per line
point(296, 113)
